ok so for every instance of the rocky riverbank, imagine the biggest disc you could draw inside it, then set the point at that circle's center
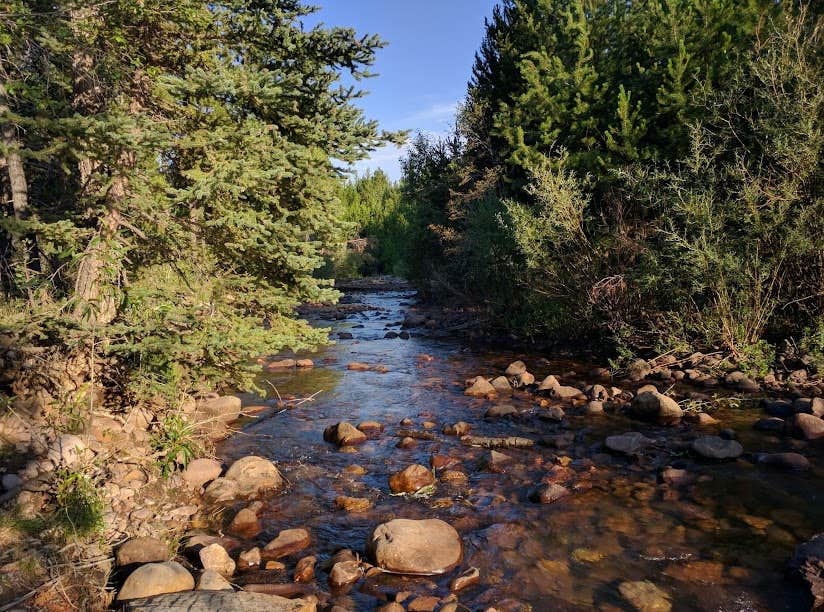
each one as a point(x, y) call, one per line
point(400, 471)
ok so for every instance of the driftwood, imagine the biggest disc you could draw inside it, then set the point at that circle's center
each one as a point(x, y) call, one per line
point(509, 442)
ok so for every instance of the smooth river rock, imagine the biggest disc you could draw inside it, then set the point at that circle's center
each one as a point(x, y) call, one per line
point(713, 447)
point(411, 479)
point(142, 550)
point(630, 443)
point(423, 547)
point(245, 478)
point(224, 601)
point(651, 405)
point(156, 579)
point(479, 387)
point(344, 434)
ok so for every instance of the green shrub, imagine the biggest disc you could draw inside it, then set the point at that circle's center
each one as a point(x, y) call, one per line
point(79, 504)
point(176, 442)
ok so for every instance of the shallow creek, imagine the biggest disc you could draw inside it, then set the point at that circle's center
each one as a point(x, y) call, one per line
point(719, 543)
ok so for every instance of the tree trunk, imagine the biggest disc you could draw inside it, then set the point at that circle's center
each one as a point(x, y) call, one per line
point(18, 189)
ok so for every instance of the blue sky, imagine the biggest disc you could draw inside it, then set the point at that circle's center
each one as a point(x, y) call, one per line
point(425, 67)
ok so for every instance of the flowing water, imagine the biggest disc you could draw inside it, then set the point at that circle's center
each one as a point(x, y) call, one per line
point(719, 543)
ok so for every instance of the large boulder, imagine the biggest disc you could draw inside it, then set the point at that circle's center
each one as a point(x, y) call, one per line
point(156, 579)
point(713, 447)
point(422, 547)
point(654, 406)
point(225, 601)
point(807, 566)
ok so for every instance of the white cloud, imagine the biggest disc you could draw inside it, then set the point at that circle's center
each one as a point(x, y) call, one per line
point(440, 112)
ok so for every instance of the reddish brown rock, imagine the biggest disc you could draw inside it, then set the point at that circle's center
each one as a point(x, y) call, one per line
point(353, 504)
point(411, 479)
point(305, 569)
point(288, 542)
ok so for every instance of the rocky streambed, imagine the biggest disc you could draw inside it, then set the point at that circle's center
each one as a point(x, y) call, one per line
point(401, 470)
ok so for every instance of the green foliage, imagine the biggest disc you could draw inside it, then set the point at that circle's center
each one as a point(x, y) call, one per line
point(79, 505)
point(657, 168)
point(176, 442)
point(182, 171)
point(812, 343)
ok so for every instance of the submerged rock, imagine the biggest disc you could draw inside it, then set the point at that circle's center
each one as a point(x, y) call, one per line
point(788, 461)
point(714, 447)
point(644, 596)
point(547, 493)
point(806, 426)
point(630, 443)
point(423, 547)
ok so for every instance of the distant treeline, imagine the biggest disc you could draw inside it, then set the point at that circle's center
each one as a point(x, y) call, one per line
point(644, 173)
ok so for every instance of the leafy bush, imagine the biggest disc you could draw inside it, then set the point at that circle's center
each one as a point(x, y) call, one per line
point(176, 442)
point(79, 505)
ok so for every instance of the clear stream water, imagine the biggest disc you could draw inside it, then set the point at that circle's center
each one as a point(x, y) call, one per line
point(720, 543)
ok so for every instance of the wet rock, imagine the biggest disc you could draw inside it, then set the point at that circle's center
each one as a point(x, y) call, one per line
point(644, 596)
point(677, 477)
point(787, 461)
point(390, 335)
point(353, 504)
point(524, 380)
point(214, 557)
point(370, 427)
point(142, 550)
point(467, 579)
point(423, 603)
point(245, 524)
point(440, 462)
point(424, 547)
point(552, 413)
point(305, 569)
point(547, 493)
point(411, 479)
point(344, 434)
point(407, 443)
point(651, 405)
point(563, 392)
point(549, 383)
point(516, 368)
point(344, 573)
point(156, 579)
point(598, 393)
point(281, 364)
point(498, 462)
point(455, 477)
point(595, 408)
point(630, 443)
point(715, 447)
point(288, 542)
point(305, 364)
point(702, 419)
point(345, 335)
point(602, 373)
point(458, 429)
point(806, 426)
point(253, 476)
point(200, 471)
point(479, 387)
point(501, 410)
point(355, 470)
point(501, 384)
point(249, 559)
point(213, 581)
point(807, 566)
point(778, 408)
point(771, 424)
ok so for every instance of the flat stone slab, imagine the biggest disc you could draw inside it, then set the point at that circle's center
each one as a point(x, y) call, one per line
point(210, 601)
